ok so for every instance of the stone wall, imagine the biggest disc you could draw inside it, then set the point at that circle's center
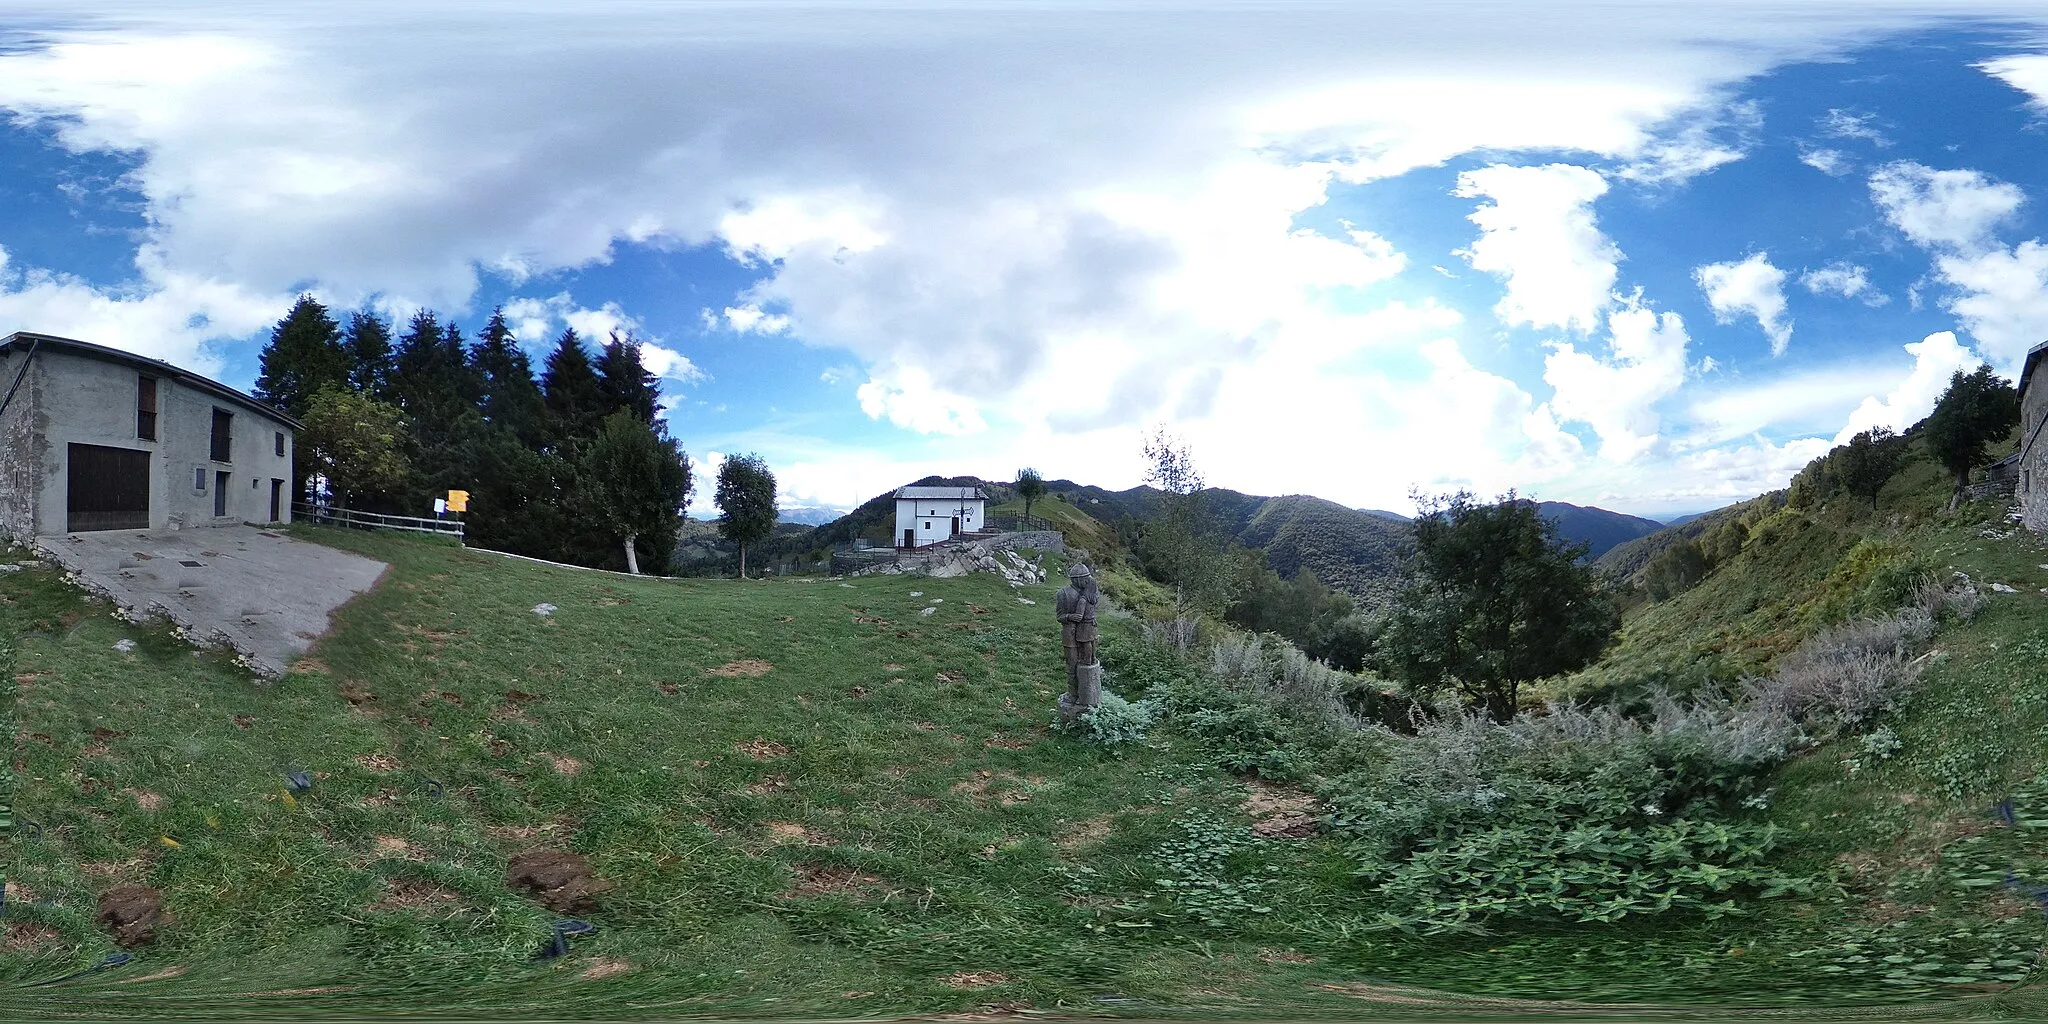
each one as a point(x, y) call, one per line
point(2032, 486)
point(21, 450)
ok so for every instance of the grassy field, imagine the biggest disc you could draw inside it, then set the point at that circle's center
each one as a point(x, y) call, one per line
point(808, 797)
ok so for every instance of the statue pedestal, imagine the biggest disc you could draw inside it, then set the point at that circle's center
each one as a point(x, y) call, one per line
point(1090, 696)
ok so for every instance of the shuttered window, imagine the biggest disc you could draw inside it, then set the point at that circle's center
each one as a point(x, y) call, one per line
point(222, 426)
point(145, 408)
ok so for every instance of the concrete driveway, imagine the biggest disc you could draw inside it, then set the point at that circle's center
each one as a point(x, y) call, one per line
point(255, 590)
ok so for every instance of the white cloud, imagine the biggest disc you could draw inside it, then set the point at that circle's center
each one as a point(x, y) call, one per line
point(1953, 209)
point(1618, 396)
point(172, 317)
point(2026, 72)
point(1843, 279)
point(1841, 124)
point(1831, 162)
point(910, 400)
point(1935, 358)
point(1721, 136)
point(751, 320)
point(533, 321)
point(1751, 287)
point(1813, 401)
point(1540, 236)
point(2002, 299)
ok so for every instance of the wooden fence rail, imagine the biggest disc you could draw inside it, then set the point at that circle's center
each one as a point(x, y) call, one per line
point(331, 516)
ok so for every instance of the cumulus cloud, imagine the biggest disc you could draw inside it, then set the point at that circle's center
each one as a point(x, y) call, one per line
point(2002, 298)
point(1845, 280)
point(748, 320)
point(1935, 358)
point(1750, 287)
point(1618, 396)
point(1539, 235)
point(1955, 209)
point(534, 322)
point(172, 317)
point(2026, 72)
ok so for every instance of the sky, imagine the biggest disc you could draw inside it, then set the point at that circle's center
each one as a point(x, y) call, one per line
point(1652, 256)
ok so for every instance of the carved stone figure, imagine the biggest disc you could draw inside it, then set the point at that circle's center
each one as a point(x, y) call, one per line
point(1075, 609)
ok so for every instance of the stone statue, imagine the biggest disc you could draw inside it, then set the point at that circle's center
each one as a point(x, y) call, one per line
point(1075, 608)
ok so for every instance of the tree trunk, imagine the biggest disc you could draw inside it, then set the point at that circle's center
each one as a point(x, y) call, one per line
point(632, 557)
point(743, 561)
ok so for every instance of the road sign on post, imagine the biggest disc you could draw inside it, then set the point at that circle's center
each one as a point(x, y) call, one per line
point(458, 501)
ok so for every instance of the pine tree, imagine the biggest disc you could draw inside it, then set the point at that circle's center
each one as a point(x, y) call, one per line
point(624, 381)
point(368, 344)
point(510, 397)
point(304, 355)
point(575, 400)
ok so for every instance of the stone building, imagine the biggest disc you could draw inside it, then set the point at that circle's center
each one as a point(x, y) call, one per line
point(928, 515)
point(2032, 459)
point(93, 438)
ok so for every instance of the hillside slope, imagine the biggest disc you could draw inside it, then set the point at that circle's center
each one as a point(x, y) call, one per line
point(1597, 528)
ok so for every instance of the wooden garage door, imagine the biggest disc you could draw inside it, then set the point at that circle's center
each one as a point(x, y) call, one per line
point(108, 488)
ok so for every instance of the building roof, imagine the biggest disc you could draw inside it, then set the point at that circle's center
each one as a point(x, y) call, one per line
point(2034, 357)
point(955, 493)
point(155, 366)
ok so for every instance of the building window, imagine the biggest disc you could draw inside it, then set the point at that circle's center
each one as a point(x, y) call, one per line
point(199, 479)
point(145, 408)
point(280, 444)
point(222, 428)
point(927, 526)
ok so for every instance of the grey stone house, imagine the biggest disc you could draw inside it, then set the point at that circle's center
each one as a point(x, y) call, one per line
point(93, 438)
point(2032, 458)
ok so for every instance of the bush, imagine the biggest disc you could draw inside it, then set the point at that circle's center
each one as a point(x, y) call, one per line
point(1844, 676)
point(1114, 721)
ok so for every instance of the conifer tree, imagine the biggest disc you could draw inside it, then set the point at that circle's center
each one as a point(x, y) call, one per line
point(304, 354)
point(575, 401)
point(511, 399)
point(368, 344)
point(624, 381)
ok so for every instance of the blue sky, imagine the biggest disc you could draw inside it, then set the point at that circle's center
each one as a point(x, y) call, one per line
point(1651, 257)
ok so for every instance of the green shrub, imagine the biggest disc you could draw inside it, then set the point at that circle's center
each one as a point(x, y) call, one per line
point(1114, 721)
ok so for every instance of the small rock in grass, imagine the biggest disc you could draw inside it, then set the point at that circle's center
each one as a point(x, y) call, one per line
point(917, 593)
point(10, 568)
point(124, 646)
point(2003, 589)
point(543, 609)
point(926, 611)
point(936, 600)
point(1025, 600)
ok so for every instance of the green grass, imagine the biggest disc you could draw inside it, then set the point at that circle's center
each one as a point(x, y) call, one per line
point(912, 751)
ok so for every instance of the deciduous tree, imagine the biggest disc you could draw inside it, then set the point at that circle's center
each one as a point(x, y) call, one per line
point(1977, 410)
point(1030, 487)
point(1180, 545)
point(1870, 459)
point(633, 482)
point(1499, 599)
point(355, 441)
point(746, 502)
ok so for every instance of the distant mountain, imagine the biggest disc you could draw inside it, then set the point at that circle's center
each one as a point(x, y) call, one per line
point(1630, 559)
point(1682, 520)
point(809, 515)
point(1359, 553)
point(1384, 514)
point(1598, 528)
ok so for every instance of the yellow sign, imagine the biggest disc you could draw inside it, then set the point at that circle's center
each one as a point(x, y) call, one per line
point(458, 501)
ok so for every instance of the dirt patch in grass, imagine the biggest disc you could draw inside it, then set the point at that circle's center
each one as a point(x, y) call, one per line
point(1280, 812)
point(1002, 742)
point(131, 914)
point(1271, 955)
point(564, 764)
point(393, 846)
point(309, 665)
point(1085, 833)
point(145, 799)
point(243, 721)
point(774, 783)
point(378, 762)
point(1001, 788)
point(814, 880)
point(356, 694)
point(414, 894)
point(29, 936)
point(560, 879)
point(604, 966)
point(514, 705)
point(761, 750)
point(974, 979)
point(743, 667)
point(100, 738)
point(789, 832)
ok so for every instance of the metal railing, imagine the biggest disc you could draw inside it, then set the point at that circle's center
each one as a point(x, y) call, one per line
point(1011, 523)
point(327, 515)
